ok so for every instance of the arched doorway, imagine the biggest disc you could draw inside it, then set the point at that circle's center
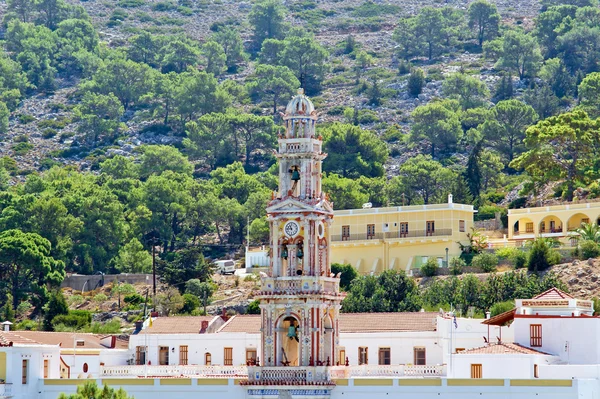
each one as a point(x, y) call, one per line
point(577, 220)
point(327, 352)
point(523, 226)
point(551, 224)
point(288, 342)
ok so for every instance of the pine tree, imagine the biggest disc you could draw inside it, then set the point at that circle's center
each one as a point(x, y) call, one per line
point(472, 174)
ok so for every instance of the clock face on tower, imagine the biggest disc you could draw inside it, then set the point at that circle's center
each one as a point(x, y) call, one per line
point(291, 229)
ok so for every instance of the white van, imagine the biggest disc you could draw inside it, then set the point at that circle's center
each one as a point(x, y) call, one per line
point(225, 266)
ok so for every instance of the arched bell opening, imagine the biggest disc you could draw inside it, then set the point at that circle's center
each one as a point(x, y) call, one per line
point(288, 341)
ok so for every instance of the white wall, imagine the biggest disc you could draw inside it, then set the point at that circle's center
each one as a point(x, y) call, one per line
point(575, 340)
point(498, 366)
point(198, 345)
point(35, 368)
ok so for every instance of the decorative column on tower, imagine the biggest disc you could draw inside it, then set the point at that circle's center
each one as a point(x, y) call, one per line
point(300, 298)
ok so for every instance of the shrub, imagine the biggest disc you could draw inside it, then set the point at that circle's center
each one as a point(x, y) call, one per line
point(134, 299)
point(520, 260)
point(76, 319)
point(506, 253)
point(430, 268)
point(164, 6)
point(253, 307)
point(25, 119)
point(49, 133)
point(124, 289)
point(542, 255)
point(456, 266)
point(589, 249)
point(22, 148)
point(349, 273)
point(416, 81)
point(109, 327)
point(485, 261)
point(23, 308)
point(190, 303)
point(100, 298)
point(501, 307)
point(130, 3)
point(27, 325)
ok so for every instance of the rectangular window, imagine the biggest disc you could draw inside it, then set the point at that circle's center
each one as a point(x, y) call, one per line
point(529, 227)
point(228, 357)
point(140, 355)
point(430, 227)
point(45, 368)
point(345, 233)
point(183, 355)
point(25, 367)
point(535, 335)
point(476, 371)
point(207, 359)
point(385, 356)
point(536, 372)
point(163, 355)
point(585, 221)
point(461, 226)
point(403, 229)
point(370, 231)
point(542, 228)
point(419, 356)
point(250, 357)
point(363, 355)
point(342, 356)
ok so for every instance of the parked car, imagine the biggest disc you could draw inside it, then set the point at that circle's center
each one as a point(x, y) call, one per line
point(225, 266)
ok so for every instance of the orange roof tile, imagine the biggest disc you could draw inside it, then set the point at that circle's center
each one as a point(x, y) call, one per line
point(177, 325)
point(552, 294)
point(351, 322)
point(64, 339)
point(503, 348)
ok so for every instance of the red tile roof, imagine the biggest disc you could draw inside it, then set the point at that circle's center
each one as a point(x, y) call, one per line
point(553, 293)
point(351, 322)
point(177, 325)
point(503, 348)
point(64, 339)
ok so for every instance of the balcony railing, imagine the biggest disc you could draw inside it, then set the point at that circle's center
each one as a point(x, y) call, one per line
point(5, 390)
point(195, 371)
point(390, 235)
point(274, 375)
point(400, 370)
point(299, 284)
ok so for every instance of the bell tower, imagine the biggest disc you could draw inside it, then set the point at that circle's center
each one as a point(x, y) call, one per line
point(300, 298)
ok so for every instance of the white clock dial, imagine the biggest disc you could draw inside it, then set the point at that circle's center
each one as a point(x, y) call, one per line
point(291, 229)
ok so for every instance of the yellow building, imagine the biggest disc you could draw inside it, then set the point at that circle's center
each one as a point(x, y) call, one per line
point(401, 238)
point(550, 221)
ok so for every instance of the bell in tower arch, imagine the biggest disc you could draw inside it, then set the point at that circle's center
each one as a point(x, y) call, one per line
point(295, 173)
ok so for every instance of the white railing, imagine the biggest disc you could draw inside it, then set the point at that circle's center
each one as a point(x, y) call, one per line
point(288, 374)
point(5, 390)
point(294, 285)
point(174, 371)
point(400, 370)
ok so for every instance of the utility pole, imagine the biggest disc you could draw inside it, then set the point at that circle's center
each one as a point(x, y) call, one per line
point(153, 274)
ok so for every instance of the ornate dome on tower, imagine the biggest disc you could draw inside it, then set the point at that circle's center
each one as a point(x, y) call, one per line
point(299, 105)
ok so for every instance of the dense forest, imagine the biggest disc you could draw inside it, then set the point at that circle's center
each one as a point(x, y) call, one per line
point(156, 139)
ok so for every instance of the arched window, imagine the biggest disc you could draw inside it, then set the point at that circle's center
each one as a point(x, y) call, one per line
point(207, 359)
point(85, 367)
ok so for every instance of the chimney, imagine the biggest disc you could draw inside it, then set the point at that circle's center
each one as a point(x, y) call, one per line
point(203, 326)
point(449, 198)
point(487, 314)
point(6, 325)
point(224, 314)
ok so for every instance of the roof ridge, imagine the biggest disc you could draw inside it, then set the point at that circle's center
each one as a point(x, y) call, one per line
point(560, 293)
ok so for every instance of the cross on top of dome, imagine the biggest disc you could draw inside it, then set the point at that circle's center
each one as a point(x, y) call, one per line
point(300, 105)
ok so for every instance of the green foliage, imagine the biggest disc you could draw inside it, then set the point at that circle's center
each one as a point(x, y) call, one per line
point(370, 9)
point(348, 274)
point(421, 180)
point(353, 152)
point(75, 320)
point(4, 114)
point(485, 261)
point(134, 299)
point(343, 192)
point(430, 268)
point(589, 94)
point(133, 258)
point(200, 289)
point(416, 81)
point(90, 390)
point(190, 303)
point(589, 249)
point(267, 21)
point(253, 307)
point(519, 53)
point(99, 115)
point(391, 291)
point(436, 123)
point(273, 83)
point(123, 289)
point(483, 20)
point(469, 91)
point(7, 312)
point(100, 298)
point(501, 307)
point(456, 266)
point(542, 254)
